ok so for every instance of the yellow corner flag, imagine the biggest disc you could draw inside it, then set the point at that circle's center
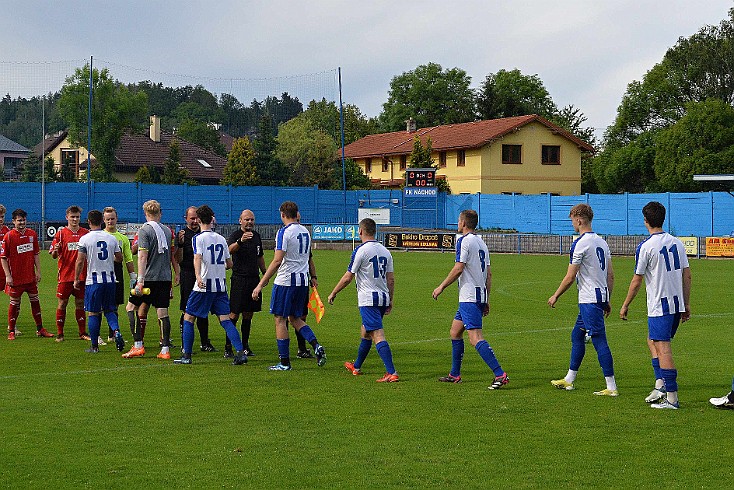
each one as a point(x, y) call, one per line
point(316, 305)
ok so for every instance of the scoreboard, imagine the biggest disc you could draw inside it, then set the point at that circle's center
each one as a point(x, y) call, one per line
point(420, 177)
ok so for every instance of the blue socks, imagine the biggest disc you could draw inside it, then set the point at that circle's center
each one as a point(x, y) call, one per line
point(386, 355)
point(232, 333)
point(188, 337)
point(457, 355)
point(603, 353)
point(308, 334)
point(487, 354)
point(671, 379)
point(111, 317)
point(93, 324)
point(578, 348)
point(656, 368)
point(364, 348)
point(284, 347)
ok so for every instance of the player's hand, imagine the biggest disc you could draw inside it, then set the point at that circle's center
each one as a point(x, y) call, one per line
point(133, 280)
point(686, 315)
point(623, 312)
point(77, 284)
point(176, 279)
point(181, 235)
point(607, 309)
point(256, 292)
point(247, 235)
point(314, 282)
point(388, 309)
point(331, 298)
point(437, 292)
point(200, 283)
point(9, 281)
point(485, 309)
point(552, 301)
point(38, 277)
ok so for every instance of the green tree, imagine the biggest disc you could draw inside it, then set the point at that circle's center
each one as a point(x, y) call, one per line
point(115, 109)
point(173, 171)
point(270, 169)
point(421, 157)
point(201, 134)
point(431, 96)
point(32, 169)
point(309, 154)
point(356, 179)
point(147, 175)
point(701, 142)
point(240, 168)
point(324, 115)
point(510, 93)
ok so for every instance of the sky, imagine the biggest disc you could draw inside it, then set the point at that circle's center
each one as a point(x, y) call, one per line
point(584, 51)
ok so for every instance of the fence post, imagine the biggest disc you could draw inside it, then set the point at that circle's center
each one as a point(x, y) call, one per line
point(627, 213)
point(550, 214)
point(711, 201)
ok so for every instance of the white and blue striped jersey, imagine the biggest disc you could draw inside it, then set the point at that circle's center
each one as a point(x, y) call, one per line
point(100, 248)
point(370, 263)
point(591, 253)
point(214, 254)
point(295, 241)
point(661, 259)
point(472, 252)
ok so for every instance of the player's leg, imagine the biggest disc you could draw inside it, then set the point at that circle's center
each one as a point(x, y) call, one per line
point(283, 341)
point(456, 332)
point(32, 291)
point(13, 310)
point(593, 315)
point(578, 350)
point(109, 307)
point(365, 344)
point(659, 390)
point(80, 314)
point(246, 327)
point(165, 322)
point(471, 314)
point(220, 308)
point(234, 317)
point(383, 349)
point(62, 293)
point(661, 331)
point(299, 302)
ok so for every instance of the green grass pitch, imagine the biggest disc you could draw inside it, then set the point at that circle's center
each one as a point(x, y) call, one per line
point(68, 419)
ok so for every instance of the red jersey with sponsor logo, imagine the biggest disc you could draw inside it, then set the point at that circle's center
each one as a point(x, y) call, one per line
point(67, 242)
point(3, 231)
point(21, 248)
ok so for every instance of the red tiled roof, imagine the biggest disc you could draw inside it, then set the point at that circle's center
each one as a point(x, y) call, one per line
point(138, 150)
point(451, 137)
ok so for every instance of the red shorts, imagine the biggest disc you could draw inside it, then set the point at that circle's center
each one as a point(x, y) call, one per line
point(17, 290)
point(66, 289)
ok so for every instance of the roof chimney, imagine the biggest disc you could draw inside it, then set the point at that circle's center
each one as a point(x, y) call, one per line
point(155, 128)
point(410, 125)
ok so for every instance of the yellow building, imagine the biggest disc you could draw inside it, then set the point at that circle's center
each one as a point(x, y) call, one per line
point(522, 155)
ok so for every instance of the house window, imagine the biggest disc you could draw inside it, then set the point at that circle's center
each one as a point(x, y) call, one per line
point(368, 165)
point(460, 158)
point(511, 193)
point(511, 153)
point(442, 159)
point(551, 155)
point(385, 164)
point(12, 168)
point(403, 162)
point(70, 163)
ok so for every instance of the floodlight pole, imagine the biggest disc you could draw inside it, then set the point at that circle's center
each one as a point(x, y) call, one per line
point(341, 124)
point(43, 169)
point(89, 129)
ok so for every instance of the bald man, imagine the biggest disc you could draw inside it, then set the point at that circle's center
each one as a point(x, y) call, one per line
point(246, 249)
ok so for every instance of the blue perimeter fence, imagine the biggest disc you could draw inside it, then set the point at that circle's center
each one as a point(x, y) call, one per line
point(694, 214)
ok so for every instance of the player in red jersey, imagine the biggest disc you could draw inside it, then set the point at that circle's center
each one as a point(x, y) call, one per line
point(64, 248)
point(22, 266)
point(3, 231)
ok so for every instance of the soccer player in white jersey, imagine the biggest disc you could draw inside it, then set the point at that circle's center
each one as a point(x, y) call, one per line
point(591, 268)
point(211, 261)
point(99, 250)
point(475, 281)
point(661, 260)
point(373, 267)
point(290, 288)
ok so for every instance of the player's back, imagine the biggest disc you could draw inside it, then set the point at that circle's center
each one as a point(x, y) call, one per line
point(99, 247)
point(473, 253)
point(591, 253)
point(214, 254)
point(661, 259)
point(295, 240)
point(370, 263)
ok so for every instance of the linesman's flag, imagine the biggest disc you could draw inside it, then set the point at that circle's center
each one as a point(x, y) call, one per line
point(316, 305)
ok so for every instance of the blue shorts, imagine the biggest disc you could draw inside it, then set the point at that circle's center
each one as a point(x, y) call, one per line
point(663, 327)
point(289, 300)
point(200, 304)
point(470, 314)
point(591, 317)
point(372, 317)
point(100, 297)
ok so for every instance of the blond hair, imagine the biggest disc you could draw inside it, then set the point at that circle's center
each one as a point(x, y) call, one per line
point(109, 209)
point(152, 207)
point(2, 209)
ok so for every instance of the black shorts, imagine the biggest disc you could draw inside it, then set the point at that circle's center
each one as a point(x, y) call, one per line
point(160, 294)
point(240, 295)
point(188, 278)
point(120, 285)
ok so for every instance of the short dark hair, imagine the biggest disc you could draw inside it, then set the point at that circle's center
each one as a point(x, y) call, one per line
point(73, 209)
point(205, 214)
point(19, 213)
point(582, 210)
point(94, 217)
point(289, 209)
point(654, 214)
point(369, 226)
point(471, 218)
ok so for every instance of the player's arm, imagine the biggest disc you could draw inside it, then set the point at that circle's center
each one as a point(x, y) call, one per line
point(390, 279)
point(176, 269)
point(81, 259)
point(261, 264)
point(634, 288)
point(142, 265)
point(488, 287)
point(228, 263)
point(686, 315)
point(453, 276)
point(55, 245)
point(37, 264)
point(6, 270)
point(118, 257)
point(197, 271)
point(566, 282)
point(270, 272)
point(312, 272)
point(343, 282)
point(610, 288)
